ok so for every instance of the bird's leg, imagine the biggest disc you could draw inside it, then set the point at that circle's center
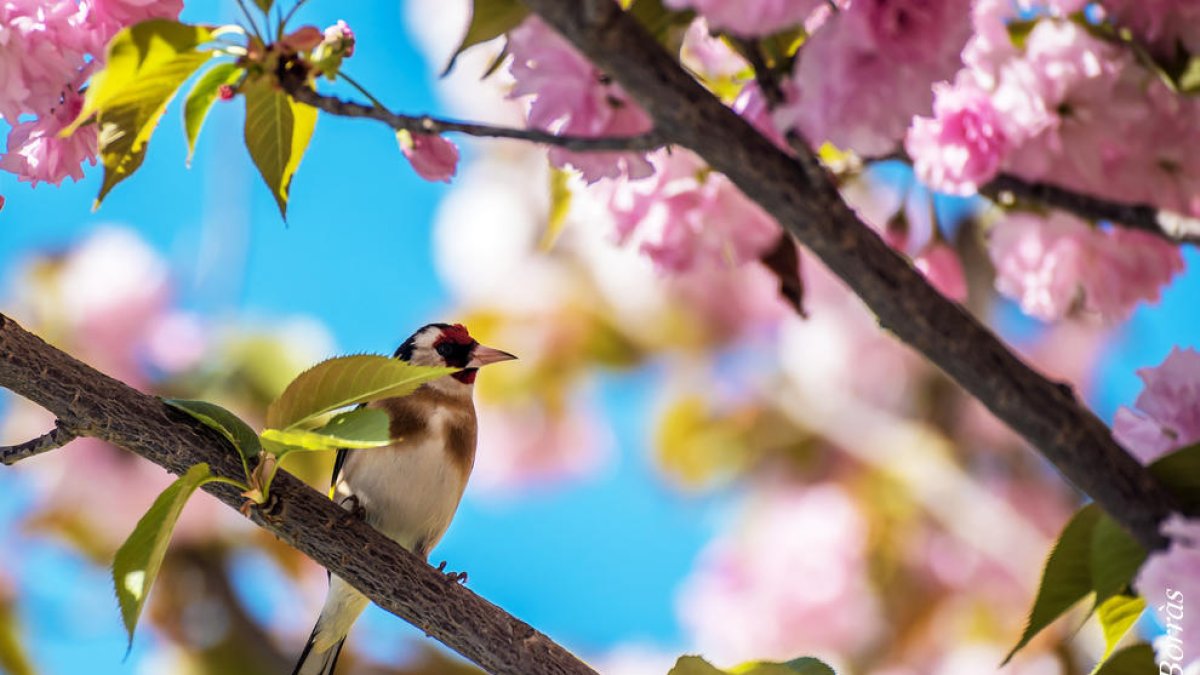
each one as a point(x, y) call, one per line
point(455, 577)
point(355, 507)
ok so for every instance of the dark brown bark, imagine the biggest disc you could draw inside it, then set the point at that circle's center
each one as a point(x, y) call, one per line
point(90, 403)
point(803, 198)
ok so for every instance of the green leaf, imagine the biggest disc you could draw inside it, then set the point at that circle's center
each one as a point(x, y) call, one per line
point(1067, 577)
point(264, 5)
point(201, 98)
point(1117, 615)
point(1180, 473)
point(1115, 558)
point(694, 665)
point(357, 429)
point(665, 25)
point(1018, 31)
point(560, 206)
point(806, 665)
point(489, 20)
point(146, 64)
point(345, 381)
point(237, 432)
point(13, 657)
point(138, 560)
point(277, 133)
point(1133, 660)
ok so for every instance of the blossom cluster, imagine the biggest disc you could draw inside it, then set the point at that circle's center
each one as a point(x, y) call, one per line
point(48, 49)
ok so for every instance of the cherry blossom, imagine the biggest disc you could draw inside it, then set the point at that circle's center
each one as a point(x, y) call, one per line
point(940, 264)
point(964, 143)
point(1168, 581)
point(433, 157)
point(750, 18)
point(36, 153)
point(1166, 415)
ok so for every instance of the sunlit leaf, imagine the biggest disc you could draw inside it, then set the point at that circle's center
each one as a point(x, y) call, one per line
point(694, 665)
point(264, 5)
point(560, 206)
point(236, 431)
point(1067, 577)
point(201, 97)
point(137, 562)
point(807, 665)
point(489, 20)
point(277, 132)
point(667, 26)
point(1133, 660)
point(345, 381)
point(14, 659)
point(1116, 557)
point(146, 65)
point(357, 429)
point(1117, 615)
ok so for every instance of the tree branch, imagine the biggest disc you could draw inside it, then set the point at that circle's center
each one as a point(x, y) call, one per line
point(1173, 227)
point(51, 440)
point(432, 125)
point(805, 201)
point(403, 584)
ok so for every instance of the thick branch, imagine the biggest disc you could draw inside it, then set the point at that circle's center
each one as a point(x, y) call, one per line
point(805, 201)
point(396, 580)
point(1171, 226)
point(51, 440)
point(432, 125)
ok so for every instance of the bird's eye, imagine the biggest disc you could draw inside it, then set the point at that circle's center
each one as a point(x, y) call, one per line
point(445, 349)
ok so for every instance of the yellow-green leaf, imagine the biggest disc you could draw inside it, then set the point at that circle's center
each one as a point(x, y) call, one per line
point(13, 657)
point(489, 19)
point(1133, 660)
point(201, 97)
point(345, 381)
point(264, 5)
point(1180, 472)
point(146, 65)
point(1115, 558)
point(560, 205)
point(138, 560)
point(277, 133)
point(237, 432)
point(806, 665)
point(354, 430)
point(1067, 578)
point(1117, 615)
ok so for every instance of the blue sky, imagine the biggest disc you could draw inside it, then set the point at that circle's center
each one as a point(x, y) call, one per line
point(356, 254)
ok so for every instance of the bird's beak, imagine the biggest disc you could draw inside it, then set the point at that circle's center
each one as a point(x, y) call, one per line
point(485, 355)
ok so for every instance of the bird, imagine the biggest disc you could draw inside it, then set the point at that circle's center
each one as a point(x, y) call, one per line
point(408, 490)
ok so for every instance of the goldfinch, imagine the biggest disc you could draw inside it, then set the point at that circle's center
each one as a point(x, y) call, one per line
point(409, 490)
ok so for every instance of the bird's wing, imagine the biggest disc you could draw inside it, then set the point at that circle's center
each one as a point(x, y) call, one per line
point(339, 461)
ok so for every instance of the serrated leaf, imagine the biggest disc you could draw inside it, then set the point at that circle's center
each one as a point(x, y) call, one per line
point(1115, 558)
point(137, 562)
point(146, 65)
point(277, 133)
point(1117, 615)
point(1133, 660)
point(489, 20)
point(1067, 577)
point(345, 381)
point(201, 97)
point(560, 206)
point(237, 432)
point(1179, 471)
point(354, 430)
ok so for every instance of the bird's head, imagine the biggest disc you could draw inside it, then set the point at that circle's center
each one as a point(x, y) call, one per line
point(442, 344)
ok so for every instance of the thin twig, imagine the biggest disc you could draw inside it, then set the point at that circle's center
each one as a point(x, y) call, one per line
point(1174, 227)
point(432, 125)
point(51, 440)
point(288, 17)
point(250, 20)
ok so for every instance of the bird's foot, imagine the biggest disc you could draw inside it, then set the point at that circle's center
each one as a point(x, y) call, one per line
point(355, 507)
point(454, 577)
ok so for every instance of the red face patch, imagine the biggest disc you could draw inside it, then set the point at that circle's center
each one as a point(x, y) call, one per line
point(457, 334)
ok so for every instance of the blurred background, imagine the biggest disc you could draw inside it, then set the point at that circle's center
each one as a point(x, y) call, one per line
point(678, 463)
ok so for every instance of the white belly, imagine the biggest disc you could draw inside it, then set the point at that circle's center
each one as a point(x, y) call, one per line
point(409, 492)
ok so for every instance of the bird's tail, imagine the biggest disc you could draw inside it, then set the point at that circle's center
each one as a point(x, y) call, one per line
point(313, 662)
point(342, 607)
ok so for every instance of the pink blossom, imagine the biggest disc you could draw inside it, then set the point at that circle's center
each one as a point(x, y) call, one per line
point(433, 157)
point(107, 17)
point(1170, 582)
point(709, 56)
point(1165, 25)
point(962, 146)
point(1058, 264)
point(39, 58)
point(941, 266)
point(36, 153)
point(1167, 415)
point(570, 96)
point(752, 105)
point(750, 18)
point(688, 216)
point(870, 68)
point(521, 446)
point(791, 578)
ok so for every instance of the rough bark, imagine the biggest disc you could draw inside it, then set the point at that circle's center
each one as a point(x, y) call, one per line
point(801, 195)
point(90, 403)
